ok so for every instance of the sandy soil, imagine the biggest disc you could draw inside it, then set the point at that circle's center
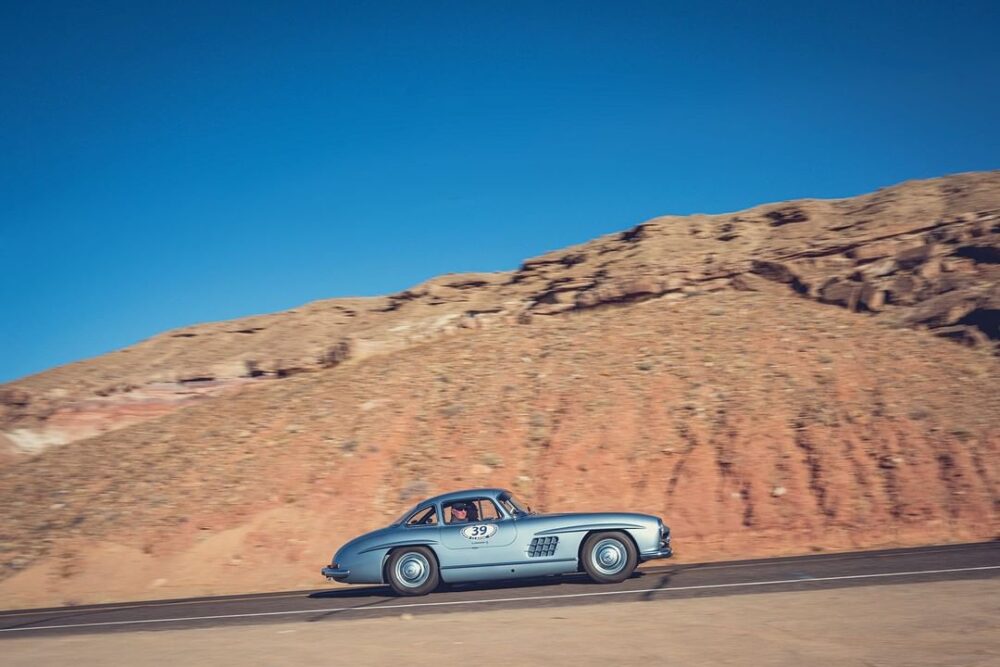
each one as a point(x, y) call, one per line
point(945, 623)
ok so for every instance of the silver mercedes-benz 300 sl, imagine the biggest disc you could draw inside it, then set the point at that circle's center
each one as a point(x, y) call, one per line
point(487, 534)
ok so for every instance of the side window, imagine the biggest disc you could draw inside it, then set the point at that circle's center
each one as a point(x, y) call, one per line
point(425, 516)
point(471, 510)
point(487, 510)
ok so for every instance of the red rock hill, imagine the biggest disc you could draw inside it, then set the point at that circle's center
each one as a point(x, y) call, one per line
point(810, 375)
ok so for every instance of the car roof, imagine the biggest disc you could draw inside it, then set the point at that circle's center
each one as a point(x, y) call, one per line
point(455, 495)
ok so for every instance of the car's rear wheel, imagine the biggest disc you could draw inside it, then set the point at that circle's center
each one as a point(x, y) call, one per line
point(608, 558)
point(413, 571)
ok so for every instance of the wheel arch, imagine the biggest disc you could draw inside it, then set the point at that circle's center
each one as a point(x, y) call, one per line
point(388, 554)
point(589, 533)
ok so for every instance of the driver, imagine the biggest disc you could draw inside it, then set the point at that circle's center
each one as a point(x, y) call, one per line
point(459, 513)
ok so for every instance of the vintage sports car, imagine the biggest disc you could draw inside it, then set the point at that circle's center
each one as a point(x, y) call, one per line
point(486, 534)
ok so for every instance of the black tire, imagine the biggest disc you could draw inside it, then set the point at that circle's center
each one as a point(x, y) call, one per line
point(608, 558)
point(412, 571)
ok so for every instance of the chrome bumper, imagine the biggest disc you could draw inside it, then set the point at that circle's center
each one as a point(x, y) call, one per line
point(666, 552)
point(336, 573)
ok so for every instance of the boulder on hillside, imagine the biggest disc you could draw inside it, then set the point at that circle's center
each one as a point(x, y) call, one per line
point(841, 292)
point(781, 272)
point(873, 297)
point(13, 397)
point(879, 269)
point(944, 309)
point(902, 290)
point(868, 252)
point(913, 257)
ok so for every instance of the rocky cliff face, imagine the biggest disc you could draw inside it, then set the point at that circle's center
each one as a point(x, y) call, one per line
point(804, 375)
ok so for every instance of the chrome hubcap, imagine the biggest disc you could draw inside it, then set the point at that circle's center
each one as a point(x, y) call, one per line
point(412, 570)
point(609, 556)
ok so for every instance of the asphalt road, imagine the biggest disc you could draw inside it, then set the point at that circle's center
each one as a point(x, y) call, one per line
point(661, 582)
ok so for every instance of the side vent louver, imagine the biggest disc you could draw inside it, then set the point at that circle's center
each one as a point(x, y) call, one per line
point(542, 546)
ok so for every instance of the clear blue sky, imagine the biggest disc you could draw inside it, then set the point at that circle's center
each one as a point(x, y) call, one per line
point(168, 163)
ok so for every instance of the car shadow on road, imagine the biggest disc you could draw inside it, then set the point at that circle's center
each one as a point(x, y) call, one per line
point(660, 582)
point(385, 592)
point(554, 581)
point(334, 612)
point(349, 593)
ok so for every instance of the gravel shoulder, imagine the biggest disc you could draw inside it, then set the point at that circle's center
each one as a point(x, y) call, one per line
point(943, 623)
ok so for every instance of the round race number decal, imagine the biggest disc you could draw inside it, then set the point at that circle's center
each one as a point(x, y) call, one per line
point(479, 531)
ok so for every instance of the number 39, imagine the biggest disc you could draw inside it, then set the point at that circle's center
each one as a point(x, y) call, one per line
point(479, 530)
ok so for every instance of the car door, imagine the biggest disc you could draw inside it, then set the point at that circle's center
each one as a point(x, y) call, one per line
point(484, 539)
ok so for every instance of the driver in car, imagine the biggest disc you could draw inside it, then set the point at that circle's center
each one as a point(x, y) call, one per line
point(459, 513)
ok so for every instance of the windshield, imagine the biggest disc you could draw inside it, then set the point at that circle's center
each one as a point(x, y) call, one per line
point(513, 506)
point(402, 517)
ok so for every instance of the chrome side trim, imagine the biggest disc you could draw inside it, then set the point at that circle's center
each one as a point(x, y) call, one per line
point(400, 543)
point(534, 561)
point(582, 528)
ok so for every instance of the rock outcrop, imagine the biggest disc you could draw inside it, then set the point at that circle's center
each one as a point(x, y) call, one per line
point(922, 254)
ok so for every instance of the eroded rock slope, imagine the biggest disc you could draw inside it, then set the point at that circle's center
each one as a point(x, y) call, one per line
point(800, 376)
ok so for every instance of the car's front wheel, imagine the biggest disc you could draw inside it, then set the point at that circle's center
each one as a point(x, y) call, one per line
point(609, 558)
point(413, 571)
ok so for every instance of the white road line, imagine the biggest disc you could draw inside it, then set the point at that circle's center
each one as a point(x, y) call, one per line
point(149, 605)
point(412, 605)
point(781, 560)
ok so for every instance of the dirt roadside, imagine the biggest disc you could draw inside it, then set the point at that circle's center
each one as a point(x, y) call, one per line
point(944, 623)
